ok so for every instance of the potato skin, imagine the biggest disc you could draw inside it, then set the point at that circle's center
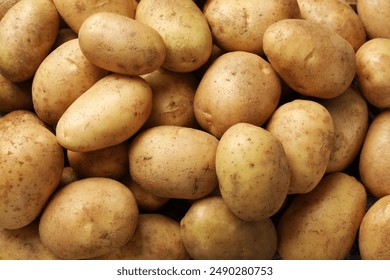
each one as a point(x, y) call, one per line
point(310, 58)
point(317, 226)
point(375, 14)
point(15, 96)
point(27, 32)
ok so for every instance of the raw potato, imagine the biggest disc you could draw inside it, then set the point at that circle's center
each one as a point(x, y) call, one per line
point(121, 44)
point(323, 224)
point(210, 231)
point(312, 59)
point(108, 113)
point(238, 87)
point(61, 78)
point(27, 32)
point(373, 71)
point(374, 164)
point(89, 218)
point(5, 5)
point(374, 243)
point(306, 131)
point(253, 172)
point(189, 174)
point(157, 237)
point(15, 96)
point(68, 176)
point(375, 15)
point(240, 25)
point(184, 29)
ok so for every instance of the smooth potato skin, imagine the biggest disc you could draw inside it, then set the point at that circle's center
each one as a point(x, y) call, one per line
point(15, 96)
point(375, 15)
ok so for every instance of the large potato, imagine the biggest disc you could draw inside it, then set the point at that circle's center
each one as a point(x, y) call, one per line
point(253, 171)
point(323, 223)
point(27, 32)
point(312, 59)
point(174, 162)
point(306, 131)
point(89, 218)
point(375, 15)
point(108, 113)
point(15, 96)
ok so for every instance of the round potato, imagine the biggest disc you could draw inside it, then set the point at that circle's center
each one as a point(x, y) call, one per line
point(27, 33)
point(174, 162)
point(238, 87)
point(121, 44)
point(89, 218)
point(15, 96)
point(210, 231)
point(108, 113)
point(312, 59)
point(306, 130)
point(253, 171)
point(184, 29)
point(317, 225)
point(240, 25)
point(375, 15)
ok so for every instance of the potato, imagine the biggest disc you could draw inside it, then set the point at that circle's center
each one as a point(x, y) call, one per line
point(373, 71)
point(374, 231)
point(31, 164)
point(174, 162)
point(108, 113)
point(253, 171)
point(240, 25)
point(374, 164)
point(349, 112)
point(15, 96)
point(27, 32)
point(65, 34)
point(19, 117)
point(157, 237)
point(89, 218)
point(184, 30)
point(375, 15)
point(76, 12)
point(60, 79)
point(68, 176)
point(306, 130)
point(238, 87)
point(312, 59)
point(323, 223)
point(5, 5)
point(338, 16)
point(121, 44)
point(210, 231)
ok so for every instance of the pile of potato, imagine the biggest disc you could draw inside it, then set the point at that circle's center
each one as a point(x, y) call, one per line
point(180, 129)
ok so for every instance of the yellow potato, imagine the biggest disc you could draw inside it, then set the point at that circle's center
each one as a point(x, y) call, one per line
point(15, 96)
point(375, 15)
point(253, 172)
point(108, 113)
point(323, 223)
point(5, 5)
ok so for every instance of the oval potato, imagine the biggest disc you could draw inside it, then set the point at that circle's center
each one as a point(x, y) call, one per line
point(375, 15)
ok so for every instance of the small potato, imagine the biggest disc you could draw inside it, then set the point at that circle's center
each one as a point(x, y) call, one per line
point(107, 114)
point(157, 237)
point(375, 15)
point(323, 223)
point(174, 162)
point(373, 71)
point(27, 33)
point(89, 218)
point(305, 128)
point(312, 59)
point(210, 231)
point(374, 164)
point(15, 96)
point(253, 172)
point(121, 44)
point(184, 29)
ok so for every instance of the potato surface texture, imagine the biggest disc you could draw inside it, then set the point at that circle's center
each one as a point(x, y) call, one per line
point(14, 96)
point(375, 15)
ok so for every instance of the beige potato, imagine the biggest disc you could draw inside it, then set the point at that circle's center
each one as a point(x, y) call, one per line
point(27, 32)
point(253, 171)
point(5, 5)
point(210, 231)
point(184, 29)
point(108, 113)
point(61, 78)
point(19, 117)
point(374, 164)
point(323, 223)
point(157, 237)
point(373, 71)
point(240, 25)
point(375, 15)
point(89, 218)
point(306, 130)
point(15, 96)
point(312, 59)
point(238, 87)
point(174, 162)
point(121, 44)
